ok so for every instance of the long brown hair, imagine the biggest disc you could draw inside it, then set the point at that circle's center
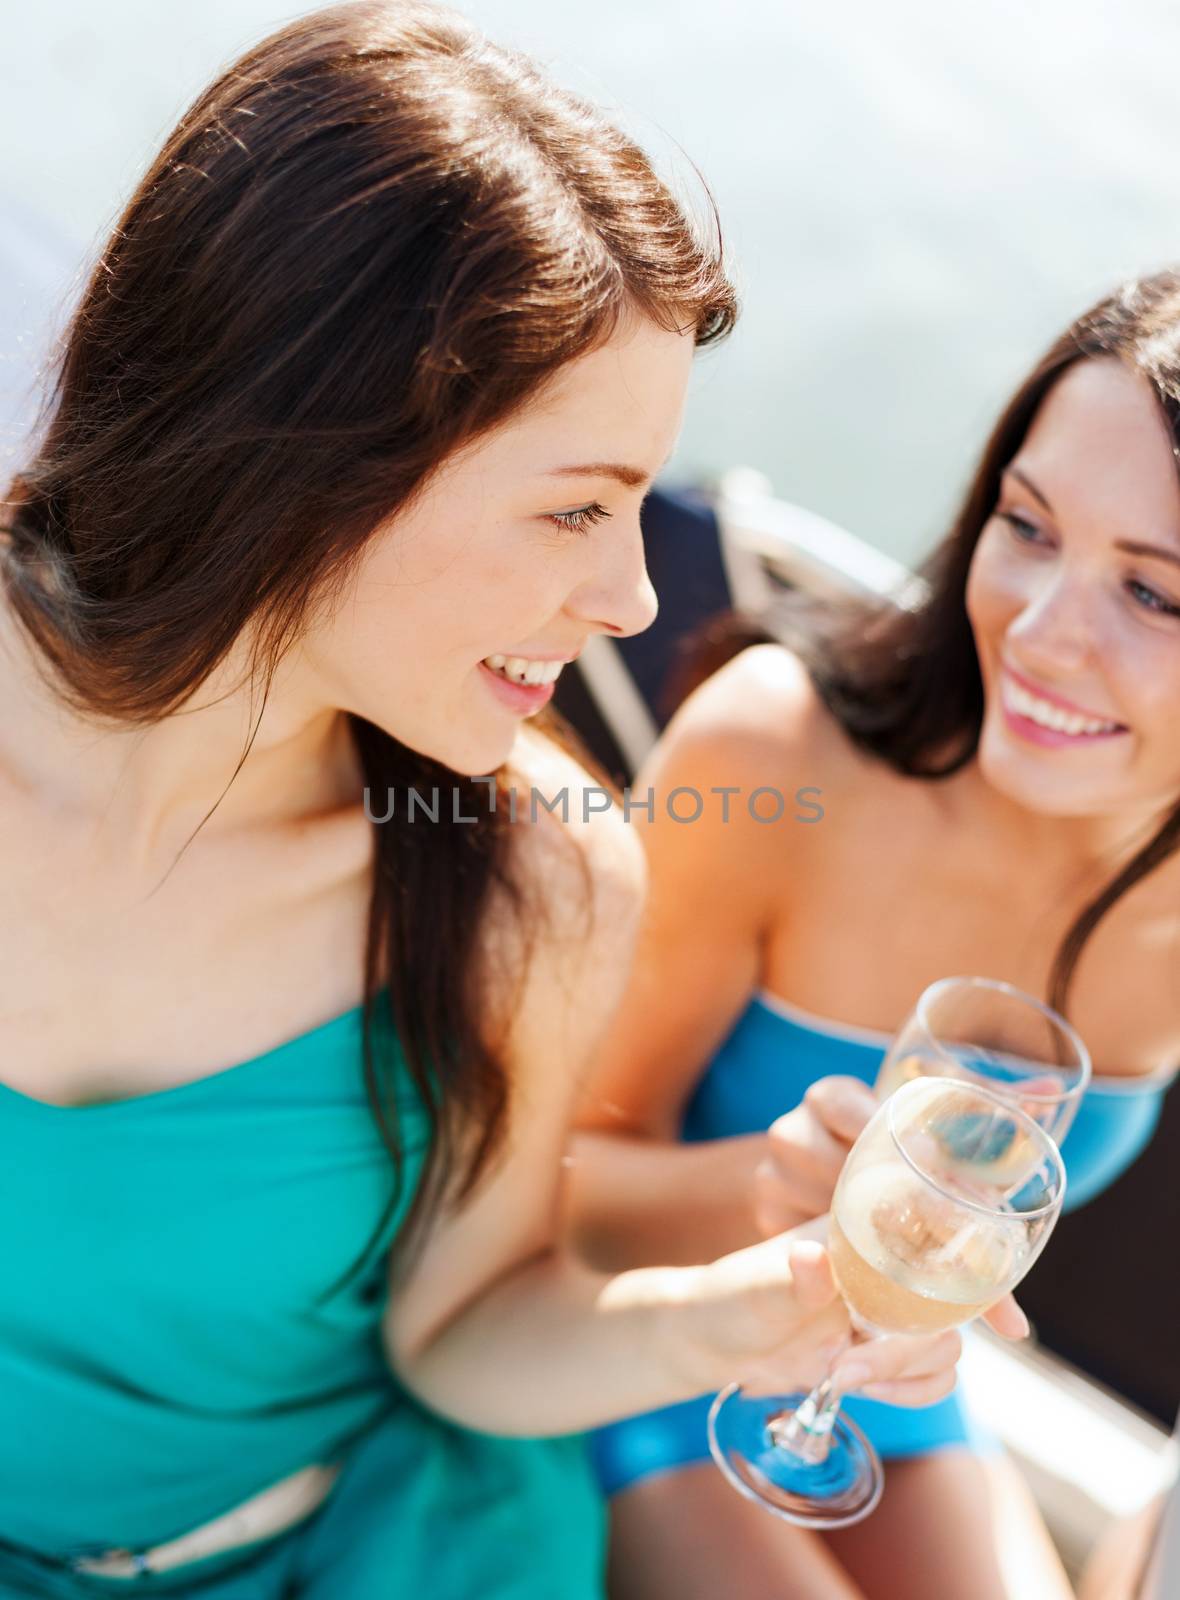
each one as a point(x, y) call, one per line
point(368, 242)
point(905, 683)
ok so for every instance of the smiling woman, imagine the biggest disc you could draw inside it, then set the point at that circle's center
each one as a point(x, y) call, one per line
point(362, 397)
point(1000, 764)
point(356, 413)
point(493, 562)
point(1063, 596)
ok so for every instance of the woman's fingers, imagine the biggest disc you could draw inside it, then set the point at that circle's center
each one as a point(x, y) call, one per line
point(902, 1370)
point(800, 1143)
point(770, 1291)
point(1008, 1319)
point(771, 1314)
point(898, 1358)
point(811, 1273)
point(777, 1206)
point(797, 1176)
point(843, 1105)
point(814, 1228)
point(806, 1148)
point(913, 1391)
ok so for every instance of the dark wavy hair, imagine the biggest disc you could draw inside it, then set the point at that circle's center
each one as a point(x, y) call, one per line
point(904, 682)
point(368, 242)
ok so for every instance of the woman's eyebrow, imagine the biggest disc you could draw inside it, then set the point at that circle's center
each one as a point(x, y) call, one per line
point(1023, 477)
point(631, 477)
point(1134, 547)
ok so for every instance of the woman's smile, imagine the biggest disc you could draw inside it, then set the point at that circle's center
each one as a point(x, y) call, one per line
point(1048, 720)
point(521, 684)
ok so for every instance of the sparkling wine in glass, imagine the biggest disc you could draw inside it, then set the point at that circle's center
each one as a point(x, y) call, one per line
point(927, 1231)
point(987, 1031)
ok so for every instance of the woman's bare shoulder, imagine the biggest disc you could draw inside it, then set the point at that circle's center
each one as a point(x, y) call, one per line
point(761, 713)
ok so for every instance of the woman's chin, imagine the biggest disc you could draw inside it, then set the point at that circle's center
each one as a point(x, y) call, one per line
point(1031, 781)
point(479, 755)
point(467, 752)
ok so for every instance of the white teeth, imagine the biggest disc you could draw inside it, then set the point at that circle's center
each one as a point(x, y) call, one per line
point(1050, 716)
point(519, 669)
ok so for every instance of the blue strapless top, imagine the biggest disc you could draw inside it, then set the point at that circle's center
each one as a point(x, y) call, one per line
point(776, 1051)
point(773, 1054)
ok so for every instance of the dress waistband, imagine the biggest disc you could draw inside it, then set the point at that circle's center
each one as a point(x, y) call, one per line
point(265, 1515)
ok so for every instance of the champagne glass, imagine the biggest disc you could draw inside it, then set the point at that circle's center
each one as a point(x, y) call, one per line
point(926, 1231)
point(983, 1030)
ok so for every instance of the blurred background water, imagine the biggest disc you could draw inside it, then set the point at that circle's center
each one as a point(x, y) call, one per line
point(916, 197)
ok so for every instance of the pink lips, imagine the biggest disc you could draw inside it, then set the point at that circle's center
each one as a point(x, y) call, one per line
point(523, 698)
point(1053, 699)
point(1051, 738)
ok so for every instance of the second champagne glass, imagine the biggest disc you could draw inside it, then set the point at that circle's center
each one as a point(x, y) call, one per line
point(984, 1030)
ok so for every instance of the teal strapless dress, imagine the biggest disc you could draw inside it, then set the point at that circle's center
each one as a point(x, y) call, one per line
point(774, 1052)
point(179, 1328)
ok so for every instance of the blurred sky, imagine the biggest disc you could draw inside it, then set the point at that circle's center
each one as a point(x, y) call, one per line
point(916, 196)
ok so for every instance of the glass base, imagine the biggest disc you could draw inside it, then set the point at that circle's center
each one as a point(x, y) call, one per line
point(841, 1489)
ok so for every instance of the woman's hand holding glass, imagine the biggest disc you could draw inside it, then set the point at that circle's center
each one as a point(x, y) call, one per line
point(805, 1150)
point(772, 1316)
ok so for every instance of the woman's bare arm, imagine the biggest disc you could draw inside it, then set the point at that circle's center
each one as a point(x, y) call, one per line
point(716, 885)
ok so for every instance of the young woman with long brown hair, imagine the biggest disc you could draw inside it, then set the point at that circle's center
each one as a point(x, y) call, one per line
point(999, 775)
point(343, 461)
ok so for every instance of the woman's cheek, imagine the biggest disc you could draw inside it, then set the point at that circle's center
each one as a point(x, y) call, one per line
point(995, 593)
point(1142, 668)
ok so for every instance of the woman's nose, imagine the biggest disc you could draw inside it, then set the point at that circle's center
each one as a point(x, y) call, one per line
point(1055, 631)
point(618, 597)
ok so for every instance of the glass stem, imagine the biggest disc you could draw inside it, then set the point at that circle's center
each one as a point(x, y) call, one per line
point(807, 1431)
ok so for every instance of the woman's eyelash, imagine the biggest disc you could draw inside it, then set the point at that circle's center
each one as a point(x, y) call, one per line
point(1155, 602)
point(1018, 523)
point(581, 520)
